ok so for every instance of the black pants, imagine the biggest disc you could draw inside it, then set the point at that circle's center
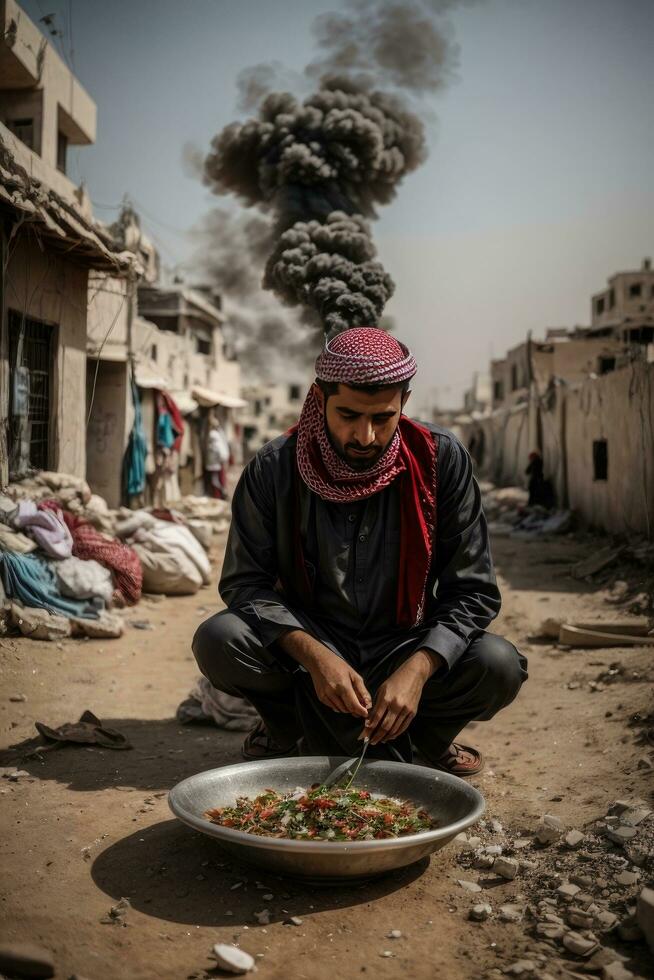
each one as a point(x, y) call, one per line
point(231, 655)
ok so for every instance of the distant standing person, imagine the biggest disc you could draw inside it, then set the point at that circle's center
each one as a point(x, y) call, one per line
point(218, 454)
point(541, 493)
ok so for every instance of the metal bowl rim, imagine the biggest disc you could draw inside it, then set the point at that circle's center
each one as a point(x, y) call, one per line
point(323, 847)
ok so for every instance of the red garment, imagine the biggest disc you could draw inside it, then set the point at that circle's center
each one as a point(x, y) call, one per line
point(89, 544)
point(175, 417)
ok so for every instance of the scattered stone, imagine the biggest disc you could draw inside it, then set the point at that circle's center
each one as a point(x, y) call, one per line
point(293, 920)
point(629, 930)
point(578, 944)
point(496, 827)
point(26, 960)
point(580, 918)
point(528, 865)
point(628, 878)
point(479, 913)
point(17, 697)
point(549, 829)
point(483, 861)
point(521, 842)
point(568, 890)
point(645, 915)
point(394, 934)
point(13, 774)
point(620, 834)
point(268, 897)
point(520, 968)
point(574, 839)
point(465, 843)
point(637, 855)
point(506, 867)
point(494, 849)
point(511, 913)
point(142, 624)
point(606, 920)
point(550, 930)
point(39, 624)
point(635, 815)
point(232, 959)
point(263, 917)
point(386, 954)
point(470, 886)
point(616, 971)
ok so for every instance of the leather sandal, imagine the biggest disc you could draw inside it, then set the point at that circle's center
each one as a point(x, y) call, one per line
point(460, 760)
point(260, 744)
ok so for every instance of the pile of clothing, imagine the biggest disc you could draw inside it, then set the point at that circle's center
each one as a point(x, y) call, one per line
point(59, 574)
point(172, 552)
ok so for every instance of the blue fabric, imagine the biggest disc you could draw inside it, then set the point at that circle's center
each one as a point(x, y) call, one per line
point(31, 581)
point(136, 452)
point(165, 433)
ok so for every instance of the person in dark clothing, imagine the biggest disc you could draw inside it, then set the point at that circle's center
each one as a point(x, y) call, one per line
point(541, 491)
point(358, 577)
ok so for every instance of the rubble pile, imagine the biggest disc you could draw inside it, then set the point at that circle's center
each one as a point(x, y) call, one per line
point(69, 564)
point(509, 515)
point(584, 896)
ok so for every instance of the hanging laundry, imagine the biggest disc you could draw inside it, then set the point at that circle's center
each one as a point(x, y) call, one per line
point(136, 452)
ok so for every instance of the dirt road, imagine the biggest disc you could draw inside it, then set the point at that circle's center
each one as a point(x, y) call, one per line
point(89, 826)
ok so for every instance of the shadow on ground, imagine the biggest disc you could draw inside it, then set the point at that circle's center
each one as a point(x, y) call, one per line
point(173, 873)
point(545, 562)
point(162, 753)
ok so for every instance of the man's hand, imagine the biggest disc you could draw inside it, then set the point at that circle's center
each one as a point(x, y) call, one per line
point(337, 684)
point(396, 703)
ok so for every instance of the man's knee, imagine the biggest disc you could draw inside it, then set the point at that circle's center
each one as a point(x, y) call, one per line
point(217, 639)
point(504, 670)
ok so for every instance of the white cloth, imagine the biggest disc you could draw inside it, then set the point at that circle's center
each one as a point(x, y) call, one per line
point(83, 579)
point(217, 450)
point(174, 562)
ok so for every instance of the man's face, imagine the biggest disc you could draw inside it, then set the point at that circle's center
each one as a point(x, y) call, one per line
point(361, 425)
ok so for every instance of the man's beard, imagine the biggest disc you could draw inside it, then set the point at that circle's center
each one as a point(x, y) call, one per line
point(357, 463)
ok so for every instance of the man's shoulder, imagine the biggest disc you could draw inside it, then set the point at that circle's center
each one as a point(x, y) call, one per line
point(278, 451)
point(445, 437)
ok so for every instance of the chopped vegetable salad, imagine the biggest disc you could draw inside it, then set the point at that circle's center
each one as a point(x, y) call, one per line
point(323, 814)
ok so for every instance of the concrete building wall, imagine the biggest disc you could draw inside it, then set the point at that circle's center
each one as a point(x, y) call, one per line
point(628, 294)
point(111, 415)
point(49, 287)
point(617, 408)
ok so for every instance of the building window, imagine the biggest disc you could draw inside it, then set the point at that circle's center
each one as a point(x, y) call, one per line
point(635, 290)
point(62, 149)
point(498, 391)
point(639, 335)
point(611, 298)
point(514, 377)
point(600, 459)
point(294, 392)
point(153, 352)
point(599, 305)
point(23, 129)
point(257, 407)
point(30, 359)
point(606, 364)
point(202, 346)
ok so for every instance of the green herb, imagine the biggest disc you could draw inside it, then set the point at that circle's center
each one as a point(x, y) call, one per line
point(323, 814)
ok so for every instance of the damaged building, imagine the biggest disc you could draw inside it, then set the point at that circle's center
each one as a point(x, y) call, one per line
point(584, 399)
point(50, 247)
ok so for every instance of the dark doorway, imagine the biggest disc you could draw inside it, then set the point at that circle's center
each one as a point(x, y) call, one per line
point(30, 360)
point(600, 459)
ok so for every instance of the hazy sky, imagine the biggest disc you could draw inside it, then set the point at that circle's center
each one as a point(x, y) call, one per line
point(539, 183)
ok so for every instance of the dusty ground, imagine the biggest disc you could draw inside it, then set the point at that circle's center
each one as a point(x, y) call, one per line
point(90, 825)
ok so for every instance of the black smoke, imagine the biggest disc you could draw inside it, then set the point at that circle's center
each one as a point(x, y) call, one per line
point(319, 168)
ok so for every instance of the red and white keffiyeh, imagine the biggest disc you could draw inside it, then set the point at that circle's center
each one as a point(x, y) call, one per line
point(369, 356)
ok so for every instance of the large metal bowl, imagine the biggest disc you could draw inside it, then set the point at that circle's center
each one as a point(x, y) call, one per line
point(454, 803)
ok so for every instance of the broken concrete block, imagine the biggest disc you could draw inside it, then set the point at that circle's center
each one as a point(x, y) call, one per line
point(580, 945)
point(505, 867)
point(469, 886)
point(567, 890)
point(645, 915)
point(39, 624)
point(574, 839)
point(627, 878)
point(108, 626)
point(549, 829)
point(479, 913)
point(511, 913)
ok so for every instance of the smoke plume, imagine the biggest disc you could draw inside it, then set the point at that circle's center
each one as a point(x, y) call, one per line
point(319, 168)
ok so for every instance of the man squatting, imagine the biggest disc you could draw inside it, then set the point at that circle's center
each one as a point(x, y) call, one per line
point(358, 577)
